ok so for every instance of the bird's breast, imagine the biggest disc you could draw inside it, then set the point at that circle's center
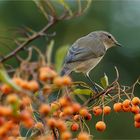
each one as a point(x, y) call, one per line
point(88, 65)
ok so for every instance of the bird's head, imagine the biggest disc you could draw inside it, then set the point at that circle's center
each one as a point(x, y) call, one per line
point(108, 39)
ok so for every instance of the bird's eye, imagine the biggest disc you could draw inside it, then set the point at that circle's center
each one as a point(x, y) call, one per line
point(109, 36)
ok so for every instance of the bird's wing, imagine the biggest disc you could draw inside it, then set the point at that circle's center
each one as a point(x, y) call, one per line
point(84, 49)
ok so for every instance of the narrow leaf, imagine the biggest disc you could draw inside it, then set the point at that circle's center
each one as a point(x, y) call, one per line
point(4, 77)
point(83, 92)
point(104, 81)
point(59, 58)
point(49, 52)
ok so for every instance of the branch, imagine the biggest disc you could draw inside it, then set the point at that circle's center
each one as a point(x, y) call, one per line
point(30, 39)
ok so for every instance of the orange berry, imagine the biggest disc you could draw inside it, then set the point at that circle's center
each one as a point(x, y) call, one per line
point(12, 98)
point(39, 125)
point(46, 73)
point(62, 115)
point(100, 126)
point(76, 107)
point(26, 101)
point(55, 106)
point(88, 117)
point(137, 117)
point(65, 101)
point(58, 81)
point(29, 123)
point(25, 85)
point(135, 109)
point(18, 81)
point(5, 111)
point(66, 81)
point(137, 124)
point(66, 135)
point(136, 101)
point(68, 110)
point(74, 126)
point(6, 89)
point(97, 110)
point(126, 109)
point(2, 121)
point(61, 125)
point(33, 85)
point(126, 103)
point(76, 117)
point(83, 112)
point(25, 115)
point(107, 110)
point(51, 122)
point(44, 109)
point(83, 136)
point(47, 89)
point(117, 107)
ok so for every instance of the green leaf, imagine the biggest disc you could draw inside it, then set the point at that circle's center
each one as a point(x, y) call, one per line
point(49, 52)
point(83, 91)
point(4, 77)
point(59, 58)
point(104, 81)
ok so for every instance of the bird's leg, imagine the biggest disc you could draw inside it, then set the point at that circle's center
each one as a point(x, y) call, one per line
point(94, 86)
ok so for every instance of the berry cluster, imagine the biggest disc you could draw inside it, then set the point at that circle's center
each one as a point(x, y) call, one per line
point(31, 108)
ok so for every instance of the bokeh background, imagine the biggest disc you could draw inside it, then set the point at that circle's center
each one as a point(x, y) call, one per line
point(120, 17)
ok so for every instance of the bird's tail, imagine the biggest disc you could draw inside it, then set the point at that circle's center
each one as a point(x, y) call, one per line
point(65, 71)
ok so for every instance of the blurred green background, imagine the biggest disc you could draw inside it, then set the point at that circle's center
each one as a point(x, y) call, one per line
point(120, 17)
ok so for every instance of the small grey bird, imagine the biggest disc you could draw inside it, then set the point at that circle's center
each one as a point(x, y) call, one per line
point(86, 53)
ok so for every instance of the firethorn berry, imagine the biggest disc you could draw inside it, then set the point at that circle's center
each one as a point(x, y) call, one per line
point(12, 98)
point(26, 101)
point(47, 89)
point(135, 109)
point(39, 125)
point(66, 81)
point(74, 126)
point(83, 136)
point(33, 85)
point(76, 107)
point(6, 89)
point(126, 108)
point(97, 110)
point(100, 126)
point(64, 101)
point(76, 117)
point(46, 73)
point(18, 81)
point(51, 122)
point(137, 124)
point(126, 103)
point(88, 117)
point(55, 105)
point(83, 112)
point(68, 110)
point(62, 115)
point(5, 111)
point(28, 123)
point(117, 107)
point(44, 109)
point(25, 115)
point(137, 117)
point(2, 121)
point(107, 110)
point(136, 101)
point(61, 125)
point(66, 135)
point(58, 81)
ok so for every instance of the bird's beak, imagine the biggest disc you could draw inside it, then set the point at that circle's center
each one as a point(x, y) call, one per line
point(118, 44)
